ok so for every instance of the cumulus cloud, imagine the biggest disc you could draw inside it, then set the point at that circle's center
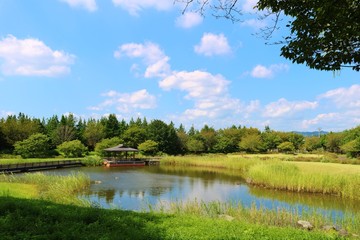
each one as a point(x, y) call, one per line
point(284, 107)
point(126, 102)
point(213, 44)
point(261, 71)
point(89, 5)
point(31, 57)
point(344, 97)
point(152, 56)
point(189, 20)
point(136, 6)
point(209, 92)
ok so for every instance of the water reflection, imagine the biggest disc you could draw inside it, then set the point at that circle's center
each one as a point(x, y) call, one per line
point(138, 188)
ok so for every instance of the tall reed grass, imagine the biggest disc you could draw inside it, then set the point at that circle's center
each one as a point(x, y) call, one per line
point(287, 176)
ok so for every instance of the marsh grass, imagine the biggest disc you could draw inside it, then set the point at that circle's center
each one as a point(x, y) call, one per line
point(291, 177)
point(18, 190)
point(58, 189)
point(279, 217)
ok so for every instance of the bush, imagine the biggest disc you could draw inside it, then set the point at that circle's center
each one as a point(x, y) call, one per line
point(36, 146)
point(92, 161)
point(287, 147)
point(72, 149)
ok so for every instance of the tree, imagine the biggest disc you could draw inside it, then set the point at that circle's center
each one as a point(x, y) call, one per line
point(134, 135)
point(208, 135)
point(271, 139)
point(312, 143)
point(333, 142)
point(251, 143)
point(325, 35)
point(37, 145)
point(195, 145)
point(112, 126)
point(352, 148)
point(72, 149)
point(149, 148)
point(287, 147)
point(106, 143)
point(93, 133)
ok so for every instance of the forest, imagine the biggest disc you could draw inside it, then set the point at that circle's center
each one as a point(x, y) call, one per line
point(71, 137)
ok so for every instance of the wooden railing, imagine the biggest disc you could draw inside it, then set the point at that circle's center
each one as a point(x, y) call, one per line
point(24, 167)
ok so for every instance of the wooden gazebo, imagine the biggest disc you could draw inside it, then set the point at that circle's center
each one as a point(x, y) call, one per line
point(119, 156)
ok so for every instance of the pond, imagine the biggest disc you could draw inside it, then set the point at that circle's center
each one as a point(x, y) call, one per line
point(139, 188)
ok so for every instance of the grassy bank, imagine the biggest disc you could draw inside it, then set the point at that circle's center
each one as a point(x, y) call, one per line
point(270, 172)
point(30, 219)
point(59, 189)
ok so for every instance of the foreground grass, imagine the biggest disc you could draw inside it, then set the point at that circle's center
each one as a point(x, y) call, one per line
point(18, 190)
point(30, 219)
point(312, 177)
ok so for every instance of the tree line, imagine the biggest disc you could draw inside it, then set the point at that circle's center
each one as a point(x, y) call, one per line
point(71, 137)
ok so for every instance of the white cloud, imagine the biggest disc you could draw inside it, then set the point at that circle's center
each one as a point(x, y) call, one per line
point(248, 6)
point(261, 71)
point(127, 102)
point(254, 23)
point(189, 20)
point(31, 57)
point(321, 119)
point(209, 92)
point(4, 114)
point(212, 44)
point(89, 5)
point(344, 97)
point(284, 107)
point(135, 6)
point(153, 57)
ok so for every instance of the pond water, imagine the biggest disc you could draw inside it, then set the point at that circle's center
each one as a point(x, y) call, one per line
point(137, 188)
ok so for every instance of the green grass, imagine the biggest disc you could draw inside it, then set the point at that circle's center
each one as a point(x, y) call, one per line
point(18, 190)
point(32, 160)
point(36, 219)
point(276, 172)
point(59, 189)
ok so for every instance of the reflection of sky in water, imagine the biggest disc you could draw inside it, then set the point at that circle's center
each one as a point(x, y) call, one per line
point(137, 188)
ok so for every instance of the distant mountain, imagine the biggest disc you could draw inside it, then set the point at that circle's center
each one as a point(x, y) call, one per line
point(310, 134)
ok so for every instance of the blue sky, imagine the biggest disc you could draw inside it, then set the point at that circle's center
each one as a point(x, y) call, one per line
point(143, 58)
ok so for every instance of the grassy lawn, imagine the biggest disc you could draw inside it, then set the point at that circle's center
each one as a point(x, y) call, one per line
point(19, 190)
point(31, 160)
point(35, 219)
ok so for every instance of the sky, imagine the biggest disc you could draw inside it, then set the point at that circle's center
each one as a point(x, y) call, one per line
point(144, 58)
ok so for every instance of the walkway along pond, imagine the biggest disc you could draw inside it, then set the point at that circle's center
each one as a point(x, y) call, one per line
point(134, 188)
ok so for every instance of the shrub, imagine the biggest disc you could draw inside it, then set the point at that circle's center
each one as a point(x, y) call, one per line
point(37, 145)
point(287, 147)
point(72, 149)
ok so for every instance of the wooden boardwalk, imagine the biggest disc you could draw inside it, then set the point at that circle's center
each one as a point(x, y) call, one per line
point(36, 166)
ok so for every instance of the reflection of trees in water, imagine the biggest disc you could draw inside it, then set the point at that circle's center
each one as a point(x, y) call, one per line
point(107, 194)
point(326, 202)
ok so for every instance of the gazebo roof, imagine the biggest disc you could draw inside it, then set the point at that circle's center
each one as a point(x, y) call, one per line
point(121, 148)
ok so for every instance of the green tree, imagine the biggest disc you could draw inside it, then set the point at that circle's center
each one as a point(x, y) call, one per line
point(324, 35)
point(93, 133)
point(73, 148)
point(195, 145)
point(287, 147)
point(112, 126)
point(271, 139)
point(37, 145)
point(208, 134)
point(66, 130)
point(333, 141)
point(149, 148)
point(312, 143)
point(106, 143)
point(134, 135)
point(352, 148)
point(251, 143)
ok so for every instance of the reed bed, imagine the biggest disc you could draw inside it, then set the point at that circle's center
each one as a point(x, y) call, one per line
point(58, 189)
point(280, 217)
point(213, 161)
point(286, 176)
